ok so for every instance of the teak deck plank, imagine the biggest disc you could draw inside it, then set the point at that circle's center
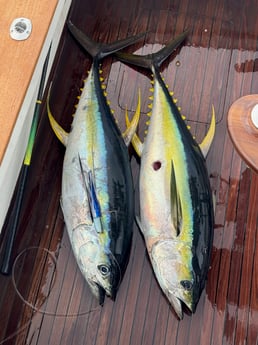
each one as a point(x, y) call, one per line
point(18, 59)
point(216, 66)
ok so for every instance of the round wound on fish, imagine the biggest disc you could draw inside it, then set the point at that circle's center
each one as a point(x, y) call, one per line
point(156, 165)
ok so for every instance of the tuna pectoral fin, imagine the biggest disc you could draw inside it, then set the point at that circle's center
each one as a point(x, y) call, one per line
point(176, 209)
point(206, 143)
point(94, 205)
point(61, 134)
point(131, 126)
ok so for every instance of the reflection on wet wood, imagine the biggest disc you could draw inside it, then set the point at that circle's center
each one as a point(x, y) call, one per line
point(217, 65)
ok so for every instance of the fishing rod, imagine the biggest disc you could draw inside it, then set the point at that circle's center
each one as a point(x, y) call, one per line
point(11, 228)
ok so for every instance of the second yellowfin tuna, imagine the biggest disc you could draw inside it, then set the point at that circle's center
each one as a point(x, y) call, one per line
point(176, 206)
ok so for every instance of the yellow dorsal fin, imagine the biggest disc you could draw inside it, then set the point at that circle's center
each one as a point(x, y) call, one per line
point(206, 143)
point(61, 134)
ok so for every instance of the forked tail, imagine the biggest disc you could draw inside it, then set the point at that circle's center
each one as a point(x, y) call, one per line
point(152, 60)
point(100, 50)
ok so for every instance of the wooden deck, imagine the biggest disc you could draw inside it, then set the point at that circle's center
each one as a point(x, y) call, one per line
point(46, 300)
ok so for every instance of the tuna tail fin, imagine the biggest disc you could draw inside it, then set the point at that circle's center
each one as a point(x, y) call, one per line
point(100, 50)
point(155, 59)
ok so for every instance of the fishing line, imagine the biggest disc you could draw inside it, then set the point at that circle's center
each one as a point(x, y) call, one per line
point(53, 280)
point(19, 331)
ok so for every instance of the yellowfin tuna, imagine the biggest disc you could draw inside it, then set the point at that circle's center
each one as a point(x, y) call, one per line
point(176, 207)
point(97, 186)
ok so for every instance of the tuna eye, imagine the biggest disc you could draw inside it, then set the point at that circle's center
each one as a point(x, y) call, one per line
point(187, 284)
point(156, 165)
point(104, 269)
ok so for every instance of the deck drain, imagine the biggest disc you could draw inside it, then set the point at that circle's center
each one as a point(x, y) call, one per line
point(20, 29)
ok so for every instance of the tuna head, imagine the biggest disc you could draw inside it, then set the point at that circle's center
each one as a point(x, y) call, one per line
point(99, 267)
point(172, 264)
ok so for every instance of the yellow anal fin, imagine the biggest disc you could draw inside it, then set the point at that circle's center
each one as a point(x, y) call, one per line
point(206, 143)
point(131, 126)
point(137, 145)
point(136, 142)
point(61, 134)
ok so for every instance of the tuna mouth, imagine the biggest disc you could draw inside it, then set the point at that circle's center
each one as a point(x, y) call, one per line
point(113, 294)
point(176, 304)
point(102, 294)
point(180, 306)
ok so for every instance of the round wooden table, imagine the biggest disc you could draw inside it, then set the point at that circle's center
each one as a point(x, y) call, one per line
point(243, 128)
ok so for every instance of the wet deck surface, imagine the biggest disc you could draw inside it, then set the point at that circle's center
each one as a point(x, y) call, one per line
point(45, 300)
